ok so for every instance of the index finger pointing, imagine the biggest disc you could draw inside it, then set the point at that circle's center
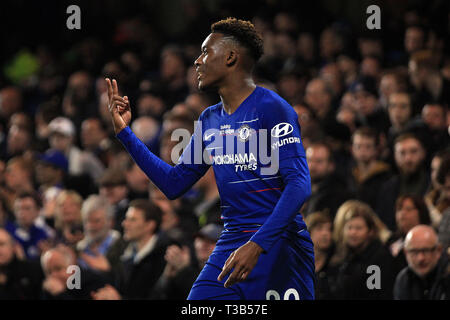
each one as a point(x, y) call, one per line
point(110, 90)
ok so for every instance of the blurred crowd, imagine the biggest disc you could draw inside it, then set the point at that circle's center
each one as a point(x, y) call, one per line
point(373, 111)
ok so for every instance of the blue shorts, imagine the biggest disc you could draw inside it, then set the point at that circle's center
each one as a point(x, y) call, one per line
point(286, 272)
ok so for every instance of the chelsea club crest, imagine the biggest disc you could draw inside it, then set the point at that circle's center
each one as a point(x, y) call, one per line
point(244, 133)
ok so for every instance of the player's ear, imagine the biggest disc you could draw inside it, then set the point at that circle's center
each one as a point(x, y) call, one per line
point(232, 58)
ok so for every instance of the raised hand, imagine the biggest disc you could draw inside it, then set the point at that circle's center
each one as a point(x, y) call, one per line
point(119, 107)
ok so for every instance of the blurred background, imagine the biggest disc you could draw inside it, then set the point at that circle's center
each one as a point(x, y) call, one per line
point(372, 105)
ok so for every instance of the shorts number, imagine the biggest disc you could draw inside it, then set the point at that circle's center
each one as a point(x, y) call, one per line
point(273, 294)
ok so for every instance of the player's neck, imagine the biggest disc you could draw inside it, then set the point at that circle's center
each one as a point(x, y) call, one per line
point(235, 92)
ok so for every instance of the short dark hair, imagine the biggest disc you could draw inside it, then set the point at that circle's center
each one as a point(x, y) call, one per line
point(366, 132)
point(151, 211)
point(406, 136)
point(33, 195)
point(317, 218)
point(242, 31)
point(419, 204)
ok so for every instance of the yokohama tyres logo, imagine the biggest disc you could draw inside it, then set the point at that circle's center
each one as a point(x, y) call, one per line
point(281, 129)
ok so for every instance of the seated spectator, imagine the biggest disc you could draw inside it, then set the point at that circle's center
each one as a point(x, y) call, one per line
point(142, 262)
point(348, 208)
point(412, 177)
point(94, 139)
point(443, 177)
point(18, 142)
point(368, 110)
point(428, 83)
point(431, 127)
point(320, 228)
point(19, 279)
point(410, 211)
point(319, 97)
point(181, 269)
point(114, 188)
point(361, 248)
point(55, 263)
point(137, 181)
point(25, 230)
point(400, 113)
point(426, 277)
point(51, 170)
point(83, 167)
point(436, 199)
point(68, 222)
point(99, 237)
point(178, 221)
point(5, 214)
point(329, 190)
point(368, 173)
point(18, 178)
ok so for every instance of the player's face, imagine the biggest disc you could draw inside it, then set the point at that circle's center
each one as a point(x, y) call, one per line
point(211, 64)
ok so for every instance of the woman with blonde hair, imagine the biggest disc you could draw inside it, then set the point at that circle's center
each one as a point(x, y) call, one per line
point(363, 267)
point(349, 208)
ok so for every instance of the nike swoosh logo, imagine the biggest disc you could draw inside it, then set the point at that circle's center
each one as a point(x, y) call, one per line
point(208, 136)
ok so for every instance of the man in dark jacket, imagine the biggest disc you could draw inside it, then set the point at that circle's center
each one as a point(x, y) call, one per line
point(19, 280)
point(64, 279)
point(182, 269)
point(427, 276)
point(142, 262)
point(412, 177)
point(329, 190)
point(368, 173)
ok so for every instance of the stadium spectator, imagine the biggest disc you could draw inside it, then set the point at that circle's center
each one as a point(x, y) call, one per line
point(412, 176)
point(143, 259)
point(320, 227)
point(410, 211)
point(113, 187)
point(368, 173)
point(62, 138)
point(181, 268)
point(68, 222)
point(443, 178)
point(329, 191)
point(94, 139)
point(435, 198)
point(18, 178)
point(19, 279)
point(319, 97)
point(59, 265)
point(99, 237)
point(51, 170)
point(426, 277)
point(25, 229)
point(361, 249)
point(400, 113)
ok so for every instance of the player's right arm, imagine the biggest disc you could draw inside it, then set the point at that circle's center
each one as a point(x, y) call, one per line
point(173, 181)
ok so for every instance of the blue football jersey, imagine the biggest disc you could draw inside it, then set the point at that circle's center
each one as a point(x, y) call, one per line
point(245, 149)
